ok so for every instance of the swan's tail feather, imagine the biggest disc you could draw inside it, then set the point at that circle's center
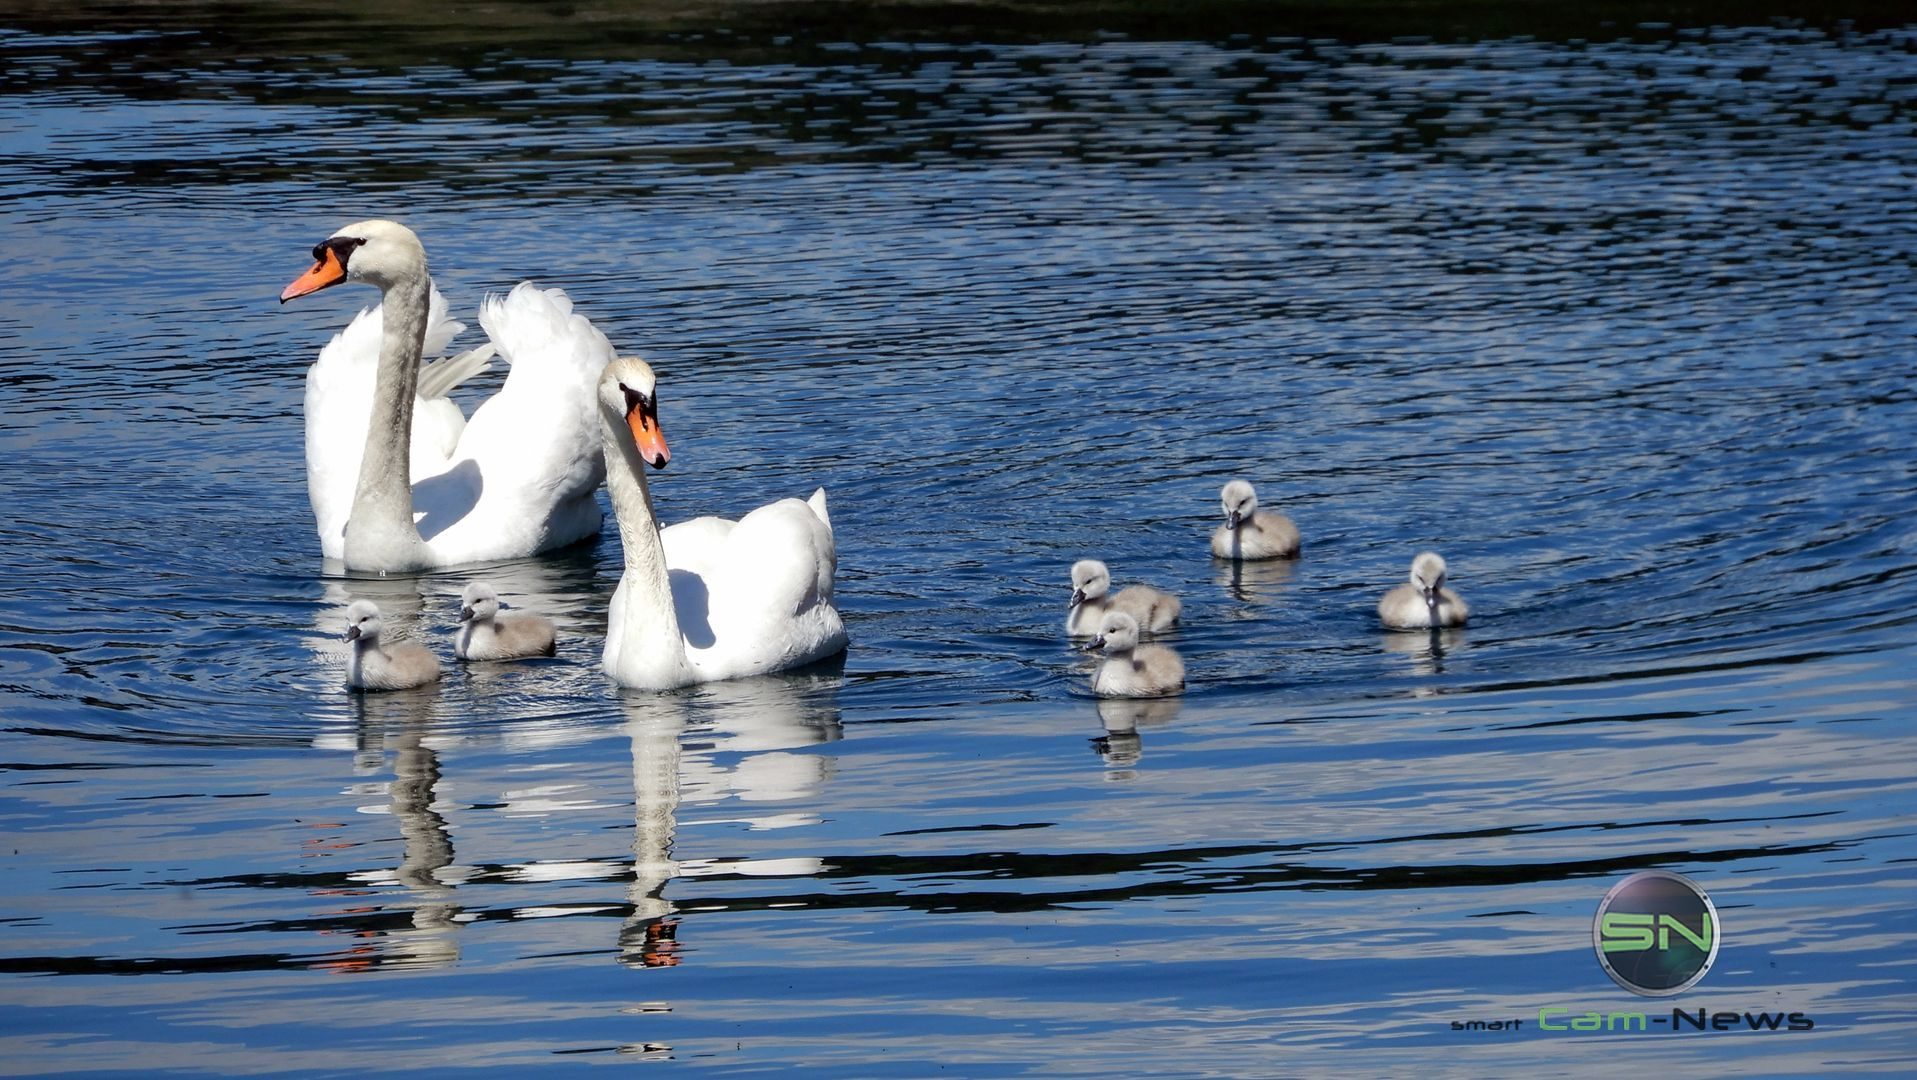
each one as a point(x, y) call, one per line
point(817, 503)
point(438, 378)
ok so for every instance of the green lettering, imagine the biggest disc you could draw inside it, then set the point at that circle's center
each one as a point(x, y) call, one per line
point(1667, 922)
point(1544, 1017)
point(1588, 1022)
point(1625, 932)
point(1627, 1022)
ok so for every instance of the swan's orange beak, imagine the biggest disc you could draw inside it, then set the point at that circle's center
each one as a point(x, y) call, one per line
point(327, 271)
point(644, 423)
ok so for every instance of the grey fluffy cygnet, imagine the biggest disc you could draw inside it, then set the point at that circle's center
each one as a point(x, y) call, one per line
point(374, 666)
point(1130, 669)
point(1154, 609)
point(1423, 602)
point(1251, 533)
point(485, 634)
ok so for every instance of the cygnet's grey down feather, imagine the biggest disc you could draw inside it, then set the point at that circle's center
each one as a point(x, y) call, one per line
point(377, 666)
point(1250, 533)
point(1133, 670)
point(1154, 609)
point(1423, 601)
point(485, 634)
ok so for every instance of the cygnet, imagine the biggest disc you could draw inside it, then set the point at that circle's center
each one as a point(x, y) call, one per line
point(1131, 669)
point(373, 666)
point(1154, 609)
point(485, 634)
point(1423, 602)
point(1251, 533)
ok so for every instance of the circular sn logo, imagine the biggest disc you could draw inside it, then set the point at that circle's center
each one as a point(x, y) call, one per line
point(1656, 933)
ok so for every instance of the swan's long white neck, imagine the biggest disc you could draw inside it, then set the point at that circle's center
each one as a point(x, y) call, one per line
point(380, 534)
point(646, 649)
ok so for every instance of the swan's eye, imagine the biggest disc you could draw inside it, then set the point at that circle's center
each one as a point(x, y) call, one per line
point(342, 248)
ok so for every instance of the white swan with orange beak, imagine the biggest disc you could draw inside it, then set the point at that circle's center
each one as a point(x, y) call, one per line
point(398, 479)
point(707, 599)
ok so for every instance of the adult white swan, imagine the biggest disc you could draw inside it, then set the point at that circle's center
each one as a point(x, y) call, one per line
point(707, 599)
point(399, 480)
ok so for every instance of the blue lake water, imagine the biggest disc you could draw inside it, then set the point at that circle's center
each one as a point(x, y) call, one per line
point(1620, 322)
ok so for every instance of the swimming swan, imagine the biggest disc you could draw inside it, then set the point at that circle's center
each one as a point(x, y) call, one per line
point(707, 599)
point(1423, 601)
point(398, 479)
point(1132, 670)
point(1154, 609)
point(373, 666)
point(485, 634)
point(1251, 533)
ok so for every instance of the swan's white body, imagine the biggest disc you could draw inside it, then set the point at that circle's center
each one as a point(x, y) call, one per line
point(710, 599)
point(516, 479)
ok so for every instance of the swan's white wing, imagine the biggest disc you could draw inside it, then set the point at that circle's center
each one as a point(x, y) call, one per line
point(697, 546)
point(531, 453)
point(770, 592)
point(339, 403)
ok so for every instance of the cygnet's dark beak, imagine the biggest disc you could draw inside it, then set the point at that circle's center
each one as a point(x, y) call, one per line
point(465, 613)
point(1232, 519)
point(1078, 597)
point(352, 634)
point(1097, 645)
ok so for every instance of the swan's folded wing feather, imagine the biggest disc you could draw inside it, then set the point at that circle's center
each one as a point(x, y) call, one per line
point(697, 545)
point(540, 433)
point(779, 561)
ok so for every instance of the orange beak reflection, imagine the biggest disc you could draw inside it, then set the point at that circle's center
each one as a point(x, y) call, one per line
point(327, 271)
point(646, 434)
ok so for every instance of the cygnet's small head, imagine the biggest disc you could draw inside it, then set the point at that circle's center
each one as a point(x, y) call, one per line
point(375, 252)
point(1427, 574)
point(629, 390)
point(479, 601)
point(362, 621)
point(1090, 580)
point(1239, 501)
point(1117, 633)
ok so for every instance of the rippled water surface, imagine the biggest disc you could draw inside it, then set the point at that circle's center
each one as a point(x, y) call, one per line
point(1622, 323)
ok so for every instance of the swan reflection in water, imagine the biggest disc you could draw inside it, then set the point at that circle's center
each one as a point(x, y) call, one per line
point(1426, 650)
point(399, 721)
point(679, 743)
point(1121, 746)
point(735, 742)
